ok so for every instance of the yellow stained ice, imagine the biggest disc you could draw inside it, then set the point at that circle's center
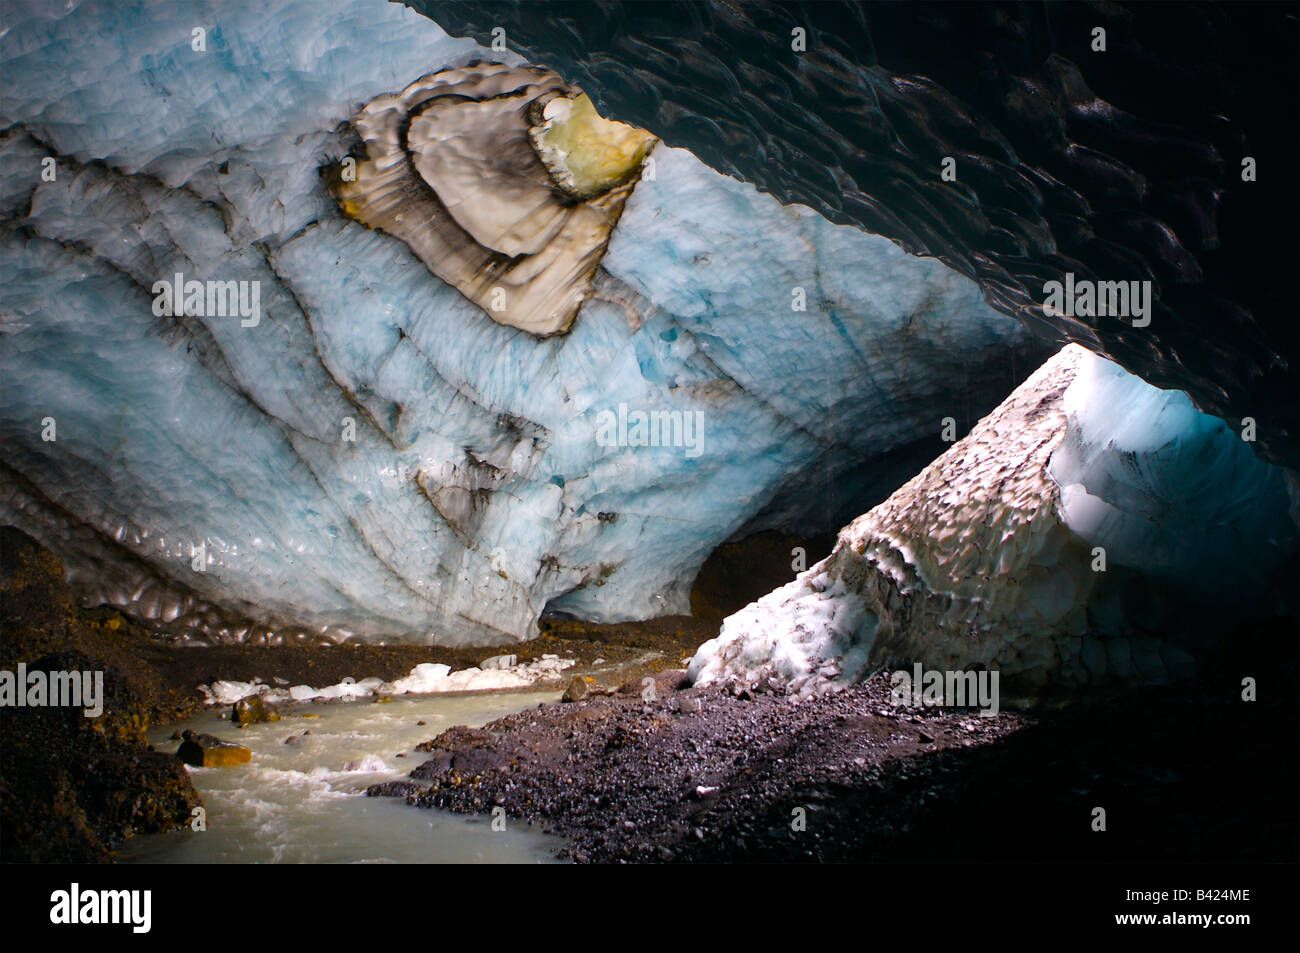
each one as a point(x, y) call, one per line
point(588, 153)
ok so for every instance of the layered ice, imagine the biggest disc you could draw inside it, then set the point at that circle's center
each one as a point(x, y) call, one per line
point(1091, 530)
point(370, 455)
point(454, 168)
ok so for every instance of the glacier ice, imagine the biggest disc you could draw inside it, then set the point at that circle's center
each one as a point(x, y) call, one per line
point(1091, 530)
point(1212, 518)
point(376, 457)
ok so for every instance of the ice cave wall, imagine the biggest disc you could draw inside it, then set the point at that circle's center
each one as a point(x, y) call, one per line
point(202, 471)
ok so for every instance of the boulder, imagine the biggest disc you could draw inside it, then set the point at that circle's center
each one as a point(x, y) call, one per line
point(394, 789)
point(253, 709)
point(578, 690)
point(207, 751)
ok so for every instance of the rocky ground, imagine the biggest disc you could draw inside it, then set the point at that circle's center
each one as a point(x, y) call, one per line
point(1187, 772)
point(72, 787)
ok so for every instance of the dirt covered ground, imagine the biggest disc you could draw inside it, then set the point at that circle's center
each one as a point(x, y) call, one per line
point(699, 775)
point(633, 647)
point(72, 787)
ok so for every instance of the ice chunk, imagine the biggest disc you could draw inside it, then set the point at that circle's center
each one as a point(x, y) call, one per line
point(423, 679)
point(1092, 529)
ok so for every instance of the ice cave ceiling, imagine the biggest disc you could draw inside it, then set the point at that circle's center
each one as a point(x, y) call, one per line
point(417, 418)
point(1124, 164)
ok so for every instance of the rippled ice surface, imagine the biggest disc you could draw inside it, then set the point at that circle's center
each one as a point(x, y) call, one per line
point(304, 802)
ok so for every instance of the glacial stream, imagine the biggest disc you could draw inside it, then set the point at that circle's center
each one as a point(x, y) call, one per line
point(303, 802)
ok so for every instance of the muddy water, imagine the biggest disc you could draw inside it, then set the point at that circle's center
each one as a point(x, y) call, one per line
point(304, 802)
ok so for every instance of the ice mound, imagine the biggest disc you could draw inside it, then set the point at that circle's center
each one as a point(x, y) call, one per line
point(984, 560)
point(424, 678)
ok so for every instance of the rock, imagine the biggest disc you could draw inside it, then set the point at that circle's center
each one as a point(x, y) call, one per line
point(252, 710)
point(499, 662)
point(578, 690)
point(438, 765)
point(687, 705)
point(366, 764)
point(475, 761)
point(925, 738)
point(535, 216)
point(207, 751)
point(394, 789)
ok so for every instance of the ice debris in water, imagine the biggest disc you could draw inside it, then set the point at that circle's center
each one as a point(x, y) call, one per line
point(427, 678)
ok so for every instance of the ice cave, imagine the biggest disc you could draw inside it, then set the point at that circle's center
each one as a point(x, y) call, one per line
point(693, 366)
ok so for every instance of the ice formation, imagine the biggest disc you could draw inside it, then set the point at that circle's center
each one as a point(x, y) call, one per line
point(470, 168)
point(374, 456)
point(1085, 532)
point(1115, 167)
